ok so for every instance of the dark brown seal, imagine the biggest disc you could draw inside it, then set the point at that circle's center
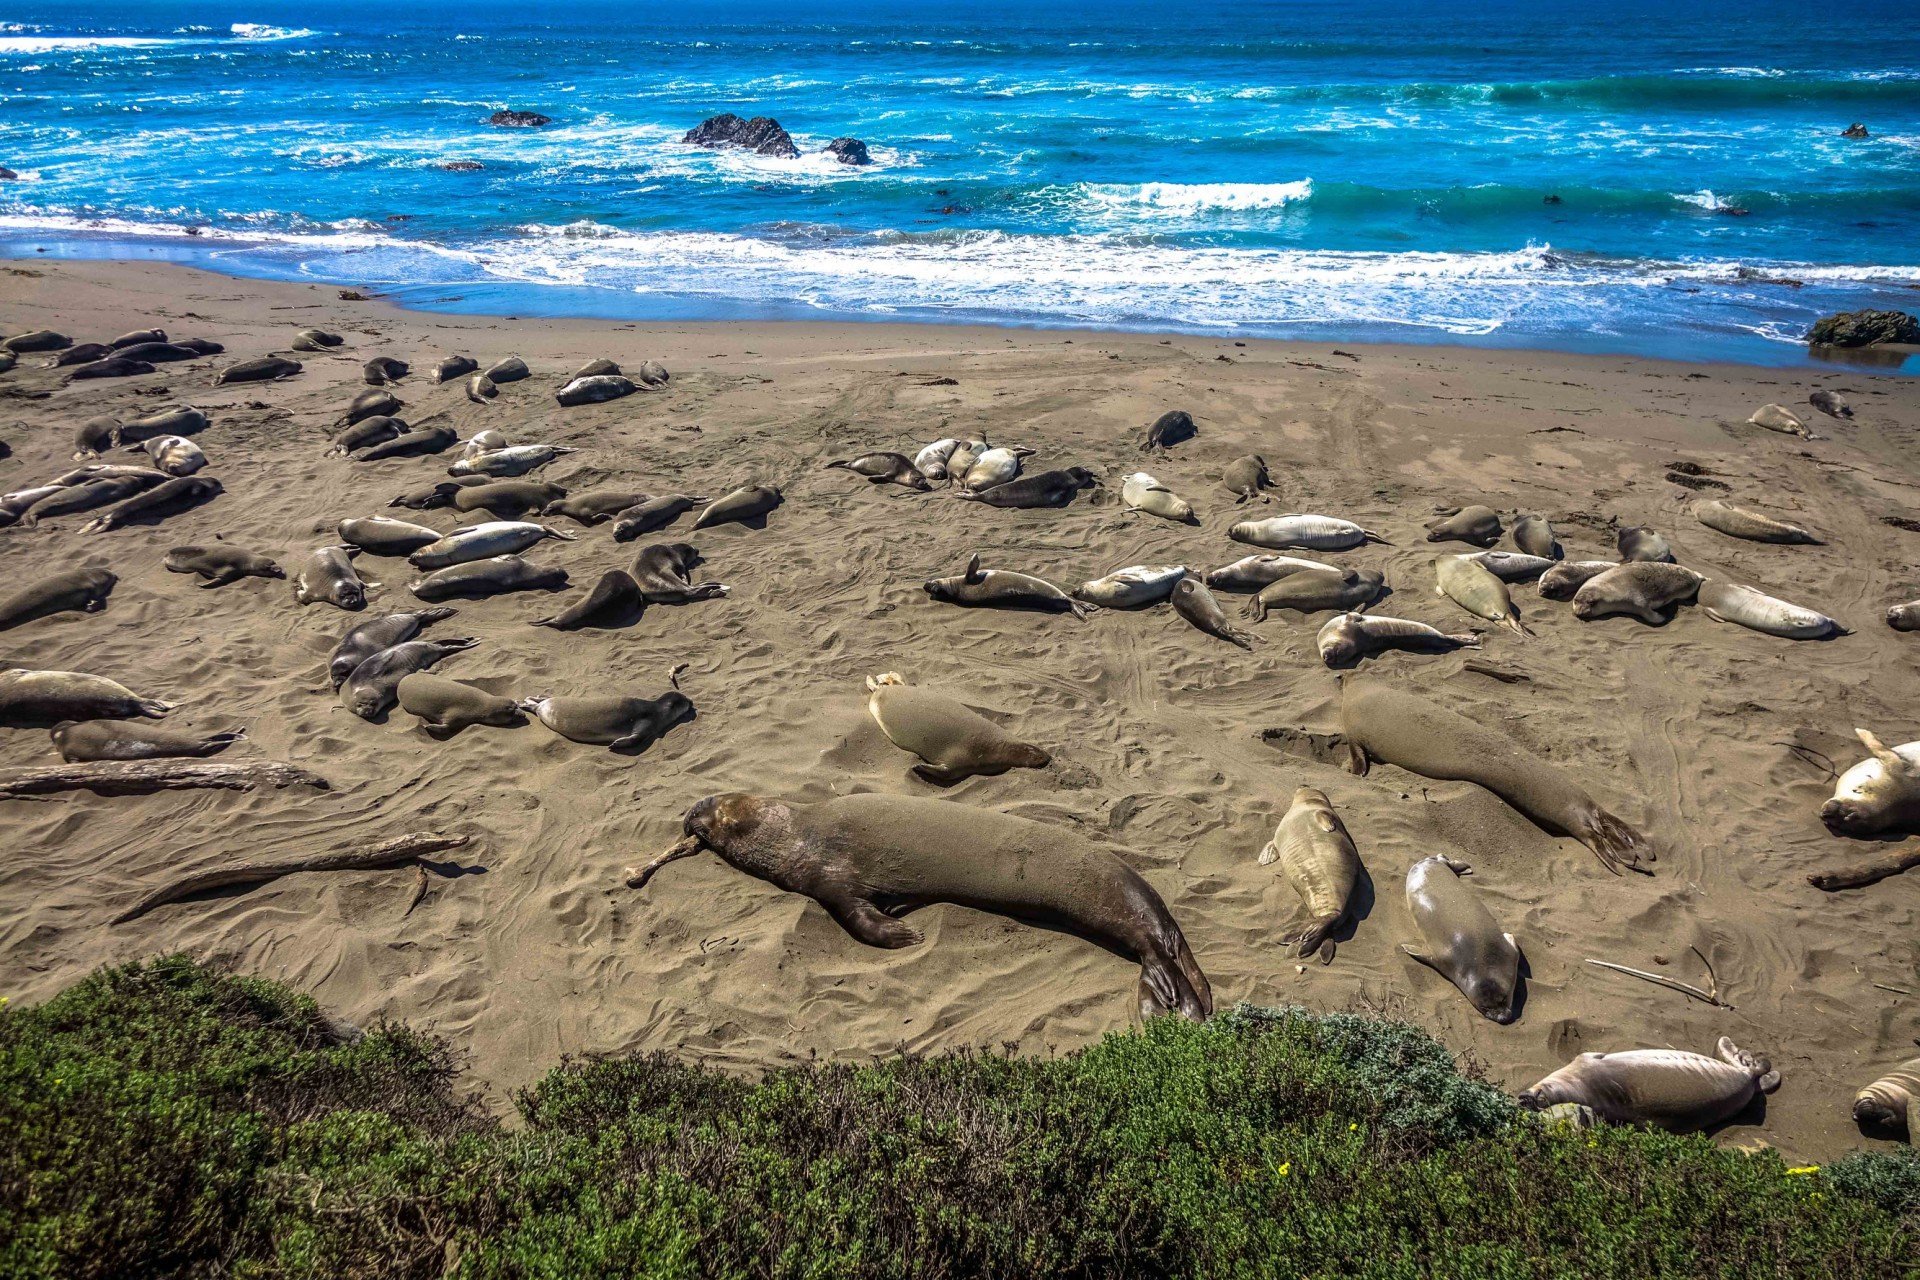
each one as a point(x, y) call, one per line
point(75, 591)
point(614, 599)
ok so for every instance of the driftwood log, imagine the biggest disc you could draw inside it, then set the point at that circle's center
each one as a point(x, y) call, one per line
point(393, 853)
point(1869, 872)
point(142, 777)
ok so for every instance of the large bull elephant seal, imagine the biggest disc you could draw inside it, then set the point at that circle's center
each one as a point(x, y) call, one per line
point(871, 859)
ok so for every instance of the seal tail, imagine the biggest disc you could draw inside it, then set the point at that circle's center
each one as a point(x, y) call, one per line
point(1466, 639)
point(154, 709)
point(1616, 844)
point(1765, 1078)
point(846, 463)
point(1512, 623)
point(221, 741)
point(1317, 940)
point(1371, 536)
point(1171, 980)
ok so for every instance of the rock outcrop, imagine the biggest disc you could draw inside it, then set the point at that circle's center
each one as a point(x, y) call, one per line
point(1855, 130)
point(1864, 329)
point(461, 166)
point(761, 135)
point(848, 151)
point(518, 120)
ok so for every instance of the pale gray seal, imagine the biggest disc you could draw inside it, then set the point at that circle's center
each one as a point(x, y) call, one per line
point(1346, 638)
point(89, 740)
point(1667, 1088)
point(175, 455)
point(387, 537)
point(654, 513)
point(595, 389)
point(169, 497)
point(1512, 566)
point(1317, 857)
point(931, 461)
point(615, 599)
point(884, 468)
point(1250, 573)
point(479, 578)
point(374, 685)
point(370, 637)
point(1247, 478)
point(514, 460)
point(1476, 588)
point(1311, 532)
point(480, 388)
point(601, 368)
point(138, 336)
point(663, 572)
point(1192, 601)
point(1639, 542)
point(1464, 945)
point(449, 706)
point(1534, 535)
point(1777, 417)
point(1880, 794)
point(629, 725)
point(1133, 587)
point(1725, 602)
point(749, 505)
point(482, 541)
point(993, 468)
point(1141, 492)
point(1000, 588)
point(75, 591)
point(327, 577)
point(1313, 590)
point(1567, 577)
point(1477, 525)
point(1643, 589)
point(1904, 617)
point(221, 565)
point(1738, 522)
point(42, 699)
point(954, 742)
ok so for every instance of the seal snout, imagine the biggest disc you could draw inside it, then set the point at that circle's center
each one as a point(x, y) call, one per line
point(1871, 1111)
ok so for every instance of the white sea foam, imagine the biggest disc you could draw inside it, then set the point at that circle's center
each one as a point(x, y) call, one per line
point(1185, 199)
point(239, 31)
point(260, 31)
point(1702, 200)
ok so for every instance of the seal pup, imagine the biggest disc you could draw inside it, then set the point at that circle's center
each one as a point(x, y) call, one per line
point(83, 353)
point(448, 706)
point(381, 370)
point(1247, 478)
point(161, 352)
point(1464, 945)
point(95, 436)
point(628, 725)
point(1905, 617)
point(960, 461)
point(15, 504)
point(387, 537)
point(374, 685)
point(512, 369)
point(1250, 573)
point(438, 494)
point(870, 859)
point(1880, 794)
point(1777, 417)
point(1192, 601)
point(482, 442)
point(652, 514)
point(1511, 566)
point(993, 468)
point(365, 433)
point(1738, 522)
point(1349, 637)
point(138, 336)
point(663, 572)
point(1133, 587)
point(1310, 532)
point(596, 507)
point(221, 565)
point(1317, 857)
point(1141, 492)
point(505, 499)
point(1640, 542)
point(653, 374)
point(175, 455)
point(1893, 1101)
point(23, 344)
point(411, 444)
point(594, 389)
point(884, 468)
point(1002, 588)
point(1831, 403)
point(327, 577)
point(370, 637)
point(1313, 590)
point(1643, 589)
point(42, 699)
point(614, 599)
point(1666, 1088)
point(480, 388)
point(1478, 590)
point(1382, 723)
point(1030, 492)
point(1477, 525)
point(316, 340)
point(85, 741)
point(181, 420)
point(454, 367)
point(931, 461)
point(1534, 535)
point(75, 591)
point(954, 742)
point(514, 460)
point(111, 367)
point(495, 576)
point(744, 506)
point(1743, 606)
point(482, 541)
point(602, 368)
point(1167, 430)
point(169, 497)
point(263, 369)
point(1567, 577)
point(73, 499)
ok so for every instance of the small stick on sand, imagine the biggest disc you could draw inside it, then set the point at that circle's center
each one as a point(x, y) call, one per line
point(1865, 873)
point(393, 853)
point(1899, 991)
point(1684, 988)
point(419, 888)
point(141, 777)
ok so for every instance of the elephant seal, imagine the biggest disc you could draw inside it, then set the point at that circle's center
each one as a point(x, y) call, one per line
point(1567, 577)
point(387, 537)
point(1777, 417)
point(199, 346)
point(993, 468)
point(884, 468)
point(381, 370)
point(42, 699)
point(629, 725)
point(602, 368)
point(23, 344)
point(95, 436)
point(1534, 535)
point(744, 505)
point(663, 572)
point(327, 577)
point(1311, 532)
point(1475, 588)
point(137, 337)
point(84, 741)
point(161, 352)
point(505, 499)
point(1346, 638)
point(511, 369)
point(514, 460)
point(1002, 588)
point(1643, 589)
point(84, 353)
point(1192, 601)
point(111, 367)
point(1892, 1101)
point(374, 685)
point(1725, 602)
point(1880, 794)
point(1666, 1088)
point(653, 373)
point(181, 420)
point(1167, 430)
point(1250, 573)
point(411, 444)
point(480, 388)
point(954, 742)
point(1317, 857)
point(483, 541)
point(654, 513)
point(871, 859)
point(1313, 590)
point(221, 565)
point(1464, 945)
point(73, 499)
point(931, 461)
point(595, 507)
point(1738, 522)
point(175, 455)
point(1511, 566)
point(449, 706)
point(1831, 403)
point(1247, 478)
point(1133, 587)
point(1477, 525)
point(376, 402)
point(372, 636)
point(75, 591)
point(1141, 492)
point(1639, 542)
point(961, 460)
point(1904, 617)
point(495, 576)
point(614, 599)
point(1382, 723)
point(15, 504)
point(438, 494)
point(316, 340)
point(454, 367)
point(595, 389)
point(1040, 489)
point(169, 497)
point(482, 442)
point(263, 369)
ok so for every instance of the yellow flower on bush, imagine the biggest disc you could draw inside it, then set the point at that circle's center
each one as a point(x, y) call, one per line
point(1799, 1170)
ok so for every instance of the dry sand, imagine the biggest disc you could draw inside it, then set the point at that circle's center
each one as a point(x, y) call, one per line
point(1156, 729)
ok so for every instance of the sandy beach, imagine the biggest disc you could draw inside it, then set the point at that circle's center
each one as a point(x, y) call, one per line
point(1162, 737)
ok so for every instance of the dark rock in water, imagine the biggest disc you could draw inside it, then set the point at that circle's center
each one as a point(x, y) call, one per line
point(1864, 329)
point(1855, 130)
point(352, 295)
point(461, 166)
point(8, 175)
point(518, 120)
point(848, 151)
point(761, 135)
point(1752, 276)
point(1550, 200)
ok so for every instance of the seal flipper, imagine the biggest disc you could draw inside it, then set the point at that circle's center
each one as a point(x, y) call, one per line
point(1423, 958)
point(1357, 762)
point(868, 924)
point(1616, 844)
point(938, 776)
